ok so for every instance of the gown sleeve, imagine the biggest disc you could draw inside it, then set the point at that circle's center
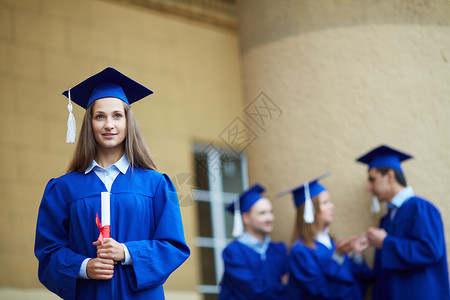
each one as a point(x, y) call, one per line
point(155, 259)
point(58, 265)
point(422, 244)
point(248, 283)
point(363, 274)
point(321, 276)
point(280, 289)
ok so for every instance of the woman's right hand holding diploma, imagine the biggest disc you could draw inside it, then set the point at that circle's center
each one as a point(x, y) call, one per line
point(108, 254)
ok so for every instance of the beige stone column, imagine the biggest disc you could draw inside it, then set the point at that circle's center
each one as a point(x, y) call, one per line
point(343, 77)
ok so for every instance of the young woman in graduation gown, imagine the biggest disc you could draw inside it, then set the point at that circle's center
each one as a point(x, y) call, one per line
point(146, 241)
point(320, 267)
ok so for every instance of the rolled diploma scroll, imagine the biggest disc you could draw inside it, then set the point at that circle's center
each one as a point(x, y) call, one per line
point(106, 212)
point(104, 225)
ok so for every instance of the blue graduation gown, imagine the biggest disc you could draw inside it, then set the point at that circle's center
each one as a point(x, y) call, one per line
point(249, 277)
point(315, 275)
point(412, 263)
point(145, 216)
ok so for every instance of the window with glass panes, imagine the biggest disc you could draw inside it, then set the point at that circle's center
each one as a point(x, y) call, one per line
point(221, 175)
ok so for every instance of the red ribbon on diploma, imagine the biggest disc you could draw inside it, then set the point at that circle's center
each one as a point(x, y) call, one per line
point(104, 230)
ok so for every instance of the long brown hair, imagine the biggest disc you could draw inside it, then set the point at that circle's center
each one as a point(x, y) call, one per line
point(135, 148)
point(302, 230)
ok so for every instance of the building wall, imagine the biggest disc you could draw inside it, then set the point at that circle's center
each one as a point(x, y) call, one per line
point(340, 77)
point(47, 46)
point(347, 76)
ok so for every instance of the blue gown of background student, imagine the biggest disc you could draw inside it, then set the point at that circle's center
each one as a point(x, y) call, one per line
point(145, 215)
point(247, 276)
point(413, 261)
point(315, 275)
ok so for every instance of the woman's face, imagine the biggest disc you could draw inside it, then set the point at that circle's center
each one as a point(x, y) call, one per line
point(326, 210)
point(109, 124)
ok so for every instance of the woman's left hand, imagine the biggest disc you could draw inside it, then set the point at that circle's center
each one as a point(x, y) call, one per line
point(345, 246)
point(110, 250)
point(361, 244)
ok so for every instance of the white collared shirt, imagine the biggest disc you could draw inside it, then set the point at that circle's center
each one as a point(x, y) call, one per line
point(254, 244)
point(107, 176)
point(323, 237)
point(399, 199)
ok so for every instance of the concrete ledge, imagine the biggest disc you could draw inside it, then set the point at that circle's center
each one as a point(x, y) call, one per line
point(42, 294)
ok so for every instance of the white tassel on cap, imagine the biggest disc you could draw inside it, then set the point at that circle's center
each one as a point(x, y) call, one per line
point(308, 214)
point(71, 124)
point(375, 208)
point(238, 226)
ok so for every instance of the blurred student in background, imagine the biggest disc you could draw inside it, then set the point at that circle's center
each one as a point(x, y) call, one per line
point(255, 267)
point(320, 267)
point(410, 258)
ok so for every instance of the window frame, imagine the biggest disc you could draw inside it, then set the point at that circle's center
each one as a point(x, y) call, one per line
point(217, 199)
